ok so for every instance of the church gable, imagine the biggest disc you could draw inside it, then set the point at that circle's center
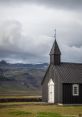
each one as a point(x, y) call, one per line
point(49, 74)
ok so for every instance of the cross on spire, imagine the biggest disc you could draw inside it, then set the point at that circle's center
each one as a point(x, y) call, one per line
point(55, 34)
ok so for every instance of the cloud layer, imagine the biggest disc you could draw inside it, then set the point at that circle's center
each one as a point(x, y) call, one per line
point(68, 4)
point(27, 30)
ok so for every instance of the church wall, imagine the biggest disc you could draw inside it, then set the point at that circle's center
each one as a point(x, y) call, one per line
point(60, 101)
point(45, 88)
point(44, 92)
point(68, 97)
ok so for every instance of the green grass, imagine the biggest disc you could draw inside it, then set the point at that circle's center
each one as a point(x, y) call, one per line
point(18, 96)
point(39, 114)
point(17, 113)
point(25, 109)
point(48, 114)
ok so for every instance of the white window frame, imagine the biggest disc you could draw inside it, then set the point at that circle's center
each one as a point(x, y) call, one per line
point(75, 87)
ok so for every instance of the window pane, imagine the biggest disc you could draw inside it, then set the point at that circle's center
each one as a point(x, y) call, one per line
point(75, 89)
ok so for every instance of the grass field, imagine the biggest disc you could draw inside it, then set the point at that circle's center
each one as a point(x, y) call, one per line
point(25, 109)
point(18, 96)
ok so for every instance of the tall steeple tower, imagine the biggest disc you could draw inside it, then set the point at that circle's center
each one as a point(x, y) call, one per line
point(55, 54)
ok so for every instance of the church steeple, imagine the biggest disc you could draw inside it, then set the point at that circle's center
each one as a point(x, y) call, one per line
point(55, 54)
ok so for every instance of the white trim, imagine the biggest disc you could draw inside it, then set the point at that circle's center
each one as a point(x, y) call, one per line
point(75, 89)
point(60, 104)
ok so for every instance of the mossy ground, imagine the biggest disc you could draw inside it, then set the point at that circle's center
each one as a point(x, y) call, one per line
point(25, 109)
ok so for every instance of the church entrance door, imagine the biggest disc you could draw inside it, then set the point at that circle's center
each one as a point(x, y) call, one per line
point(51, 91)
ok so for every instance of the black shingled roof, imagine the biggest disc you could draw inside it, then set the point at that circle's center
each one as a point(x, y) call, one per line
point(67, 72)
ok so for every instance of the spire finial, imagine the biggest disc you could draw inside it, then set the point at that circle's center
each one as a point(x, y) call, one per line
point(55, 34)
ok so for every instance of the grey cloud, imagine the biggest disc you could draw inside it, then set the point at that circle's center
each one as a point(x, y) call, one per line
point(22, 57)
point(14, 46)
point(71, 54)
point(68, 4)
point(71, 35)
point(70, 42)
point(18, 47)
point(10, 32)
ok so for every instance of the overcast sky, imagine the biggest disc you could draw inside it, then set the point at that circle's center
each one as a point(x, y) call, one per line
point(27, 30)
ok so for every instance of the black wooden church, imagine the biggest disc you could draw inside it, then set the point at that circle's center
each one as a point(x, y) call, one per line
point(62, 83)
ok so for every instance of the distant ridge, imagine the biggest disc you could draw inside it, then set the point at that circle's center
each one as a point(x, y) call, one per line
point(21, 79)
point(35, 66)
point(3, 62)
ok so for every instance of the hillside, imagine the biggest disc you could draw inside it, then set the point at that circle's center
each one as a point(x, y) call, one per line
point(21, 79)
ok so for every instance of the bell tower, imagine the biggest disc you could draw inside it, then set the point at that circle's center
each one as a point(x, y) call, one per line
point(55, 54)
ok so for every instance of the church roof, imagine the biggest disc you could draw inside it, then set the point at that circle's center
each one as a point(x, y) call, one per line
point(55, 48)
point(66, 72)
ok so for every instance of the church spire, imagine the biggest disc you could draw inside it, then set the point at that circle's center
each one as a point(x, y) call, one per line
point(55, 53)
point(55, 48)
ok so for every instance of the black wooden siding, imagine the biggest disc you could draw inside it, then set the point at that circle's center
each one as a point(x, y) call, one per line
point(68, 98)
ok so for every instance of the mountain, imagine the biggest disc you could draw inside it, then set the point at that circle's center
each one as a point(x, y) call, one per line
point(22, 65)
point(3, 63)
point(21, 79)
